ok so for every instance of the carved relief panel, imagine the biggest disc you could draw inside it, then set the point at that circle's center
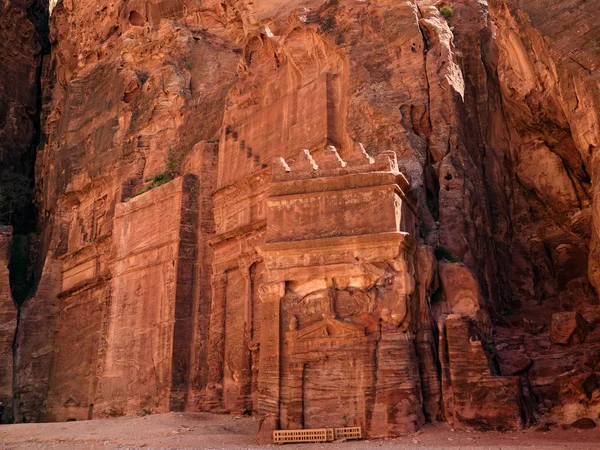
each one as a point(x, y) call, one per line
point(240, 204)
point(88, 221)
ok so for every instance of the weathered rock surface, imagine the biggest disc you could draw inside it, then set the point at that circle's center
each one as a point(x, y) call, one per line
point(584, 423)
point(8, 323)
point(23, 41)
point(568, 327)
point(472, 396)
point(322, 213)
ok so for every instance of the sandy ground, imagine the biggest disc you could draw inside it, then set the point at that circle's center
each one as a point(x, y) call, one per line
point(209, 431)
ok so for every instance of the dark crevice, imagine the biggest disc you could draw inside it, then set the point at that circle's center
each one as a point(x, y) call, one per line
point(19, 210)
point(17, 182)
point(431, 181)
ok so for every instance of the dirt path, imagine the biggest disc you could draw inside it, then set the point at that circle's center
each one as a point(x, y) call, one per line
point(209, 431)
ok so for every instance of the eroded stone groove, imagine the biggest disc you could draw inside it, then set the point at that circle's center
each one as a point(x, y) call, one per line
point(326, 214)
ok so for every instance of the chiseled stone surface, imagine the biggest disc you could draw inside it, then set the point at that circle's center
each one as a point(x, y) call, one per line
point(321, 213)
point(131, 325)
point(346, 354)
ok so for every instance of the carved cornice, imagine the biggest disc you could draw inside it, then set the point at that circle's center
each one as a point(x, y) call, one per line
point(241, 188)
point(329, 256)
point(237, 233)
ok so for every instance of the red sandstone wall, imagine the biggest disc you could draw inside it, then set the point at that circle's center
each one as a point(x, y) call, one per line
point(139, 352)
point(491, 117)
point(123, 338)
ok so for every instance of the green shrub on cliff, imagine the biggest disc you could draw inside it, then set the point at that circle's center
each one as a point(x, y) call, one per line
point(172, 170)
point(156, 181)
point(447, 11)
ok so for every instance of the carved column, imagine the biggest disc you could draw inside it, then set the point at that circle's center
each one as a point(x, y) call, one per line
point(236, 371)
point(255, 271)
point(291, 414)
point(216, 343)
point(270, 359)
point(398, 405)
point(184, 298)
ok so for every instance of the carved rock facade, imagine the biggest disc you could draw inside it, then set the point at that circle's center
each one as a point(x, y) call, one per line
point(216, 237)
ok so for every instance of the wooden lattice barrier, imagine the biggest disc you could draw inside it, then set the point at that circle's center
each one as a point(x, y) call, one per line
point(348, 433)
point(316, 435)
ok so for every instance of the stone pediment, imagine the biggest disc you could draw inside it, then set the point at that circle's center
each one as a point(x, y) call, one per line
point(329, 327)
point(71, 402)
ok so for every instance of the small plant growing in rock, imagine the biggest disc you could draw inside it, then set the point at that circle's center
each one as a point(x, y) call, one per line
point(447, 11)
point(157, 180)
point(160, 179)
point(172, 171)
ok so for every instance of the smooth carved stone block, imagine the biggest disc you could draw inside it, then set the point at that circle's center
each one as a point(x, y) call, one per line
point(338, 201)
point(149, 316)
point(333, 213)
point(461, 289)
point(568, 328)
point(72, 380)
point(492, 403)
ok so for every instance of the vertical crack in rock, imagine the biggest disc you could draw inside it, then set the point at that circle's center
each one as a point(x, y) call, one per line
point(23, 46)
point(431, 184)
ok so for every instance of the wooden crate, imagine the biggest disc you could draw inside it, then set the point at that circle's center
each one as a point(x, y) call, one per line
point(292, 436)
point(348, 433)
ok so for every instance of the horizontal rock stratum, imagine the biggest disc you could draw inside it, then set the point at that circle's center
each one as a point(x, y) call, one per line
point(325, 214)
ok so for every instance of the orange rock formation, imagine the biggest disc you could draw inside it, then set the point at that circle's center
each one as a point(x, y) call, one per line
point(326, 214)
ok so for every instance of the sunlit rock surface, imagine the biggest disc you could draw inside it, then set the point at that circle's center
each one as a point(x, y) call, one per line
point(325, 214)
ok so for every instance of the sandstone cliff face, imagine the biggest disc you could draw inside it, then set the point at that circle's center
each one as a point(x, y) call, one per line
point(405, 267)
point(549, 83)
